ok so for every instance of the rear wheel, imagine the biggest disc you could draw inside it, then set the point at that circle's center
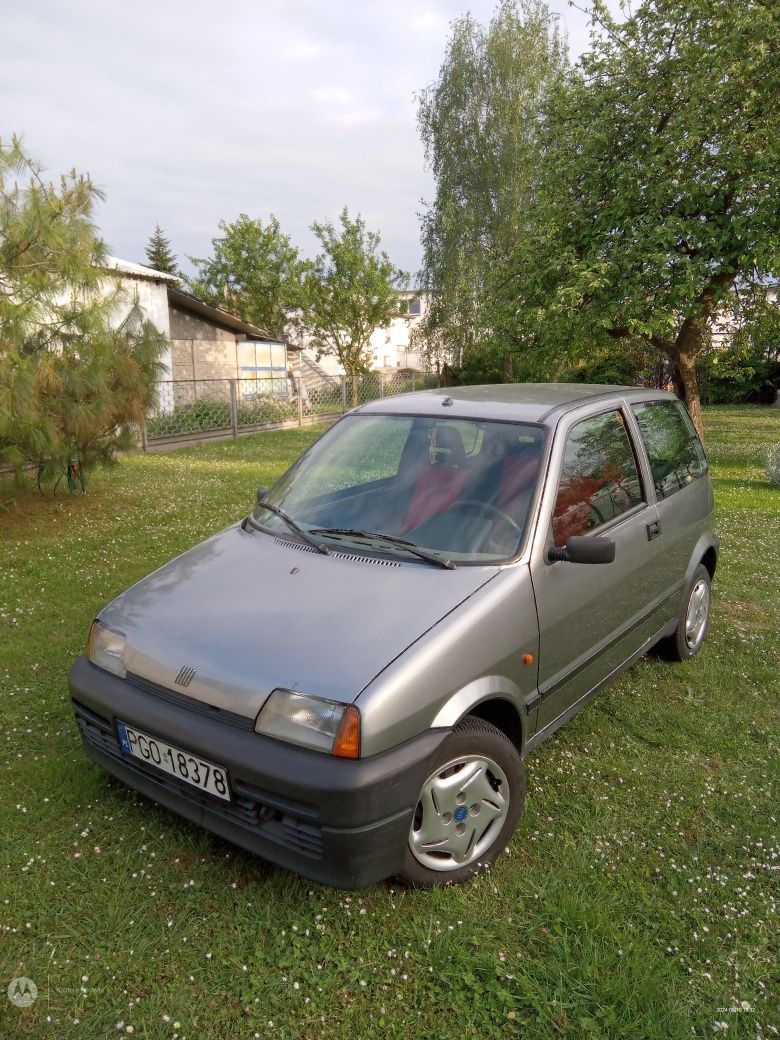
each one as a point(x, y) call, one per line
point(691, 631)
point(468, 807)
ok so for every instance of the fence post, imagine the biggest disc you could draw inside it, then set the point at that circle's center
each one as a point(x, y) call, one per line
point(414, 380)
point(381, 384)
point(343, 393)
point(233, 408)
point(300, 399)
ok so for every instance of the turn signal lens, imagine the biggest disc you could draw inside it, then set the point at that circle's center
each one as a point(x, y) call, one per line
point(347, 742)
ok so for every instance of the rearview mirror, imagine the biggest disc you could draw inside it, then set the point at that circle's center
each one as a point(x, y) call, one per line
point(261, 493)
point(583, 549)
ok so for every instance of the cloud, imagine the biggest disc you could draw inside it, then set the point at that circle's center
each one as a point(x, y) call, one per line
point(188, 113)
point(304, 50)
point(333, 96)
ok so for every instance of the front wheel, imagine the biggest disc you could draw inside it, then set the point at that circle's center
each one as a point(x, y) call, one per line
point(691, 631)
point(468, 807)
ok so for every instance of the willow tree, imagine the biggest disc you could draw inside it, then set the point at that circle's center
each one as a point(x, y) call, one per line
point(661, 179)
point(480, 122)
point(73, 379)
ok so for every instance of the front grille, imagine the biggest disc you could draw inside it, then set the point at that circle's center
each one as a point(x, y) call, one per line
point(276, 819)
point(181, 700)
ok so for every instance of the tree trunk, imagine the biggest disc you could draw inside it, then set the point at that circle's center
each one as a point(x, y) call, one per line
point(686, 385)
point(508, 368)
point(690, 342)
point(355, 388)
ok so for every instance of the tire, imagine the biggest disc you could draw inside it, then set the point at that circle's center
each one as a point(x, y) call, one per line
point(457, 830)
point(693, 624)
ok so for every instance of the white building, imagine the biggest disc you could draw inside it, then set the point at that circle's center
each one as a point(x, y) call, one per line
point(390, 346)
point(148, 289)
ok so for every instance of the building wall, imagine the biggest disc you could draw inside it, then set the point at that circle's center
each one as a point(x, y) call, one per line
point(151, 296)
point(201, 350)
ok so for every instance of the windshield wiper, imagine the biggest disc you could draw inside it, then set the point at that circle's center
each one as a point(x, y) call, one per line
point(402, 543)
point(291, 524)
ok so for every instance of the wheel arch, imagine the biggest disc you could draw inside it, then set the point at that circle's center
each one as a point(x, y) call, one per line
point(705, 554)
point(710, 560)
point(495, 699)
point(502, 714)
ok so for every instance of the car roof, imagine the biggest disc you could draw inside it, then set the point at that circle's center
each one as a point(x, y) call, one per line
point(519, 402)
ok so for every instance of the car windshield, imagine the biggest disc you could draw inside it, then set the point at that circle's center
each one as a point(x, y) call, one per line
point(459, 489)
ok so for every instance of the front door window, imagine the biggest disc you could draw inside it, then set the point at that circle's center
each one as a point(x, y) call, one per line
point(599, 478)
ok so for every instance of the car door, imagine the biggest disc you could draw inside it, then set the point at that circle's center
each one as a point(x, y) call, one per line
point(593, 617)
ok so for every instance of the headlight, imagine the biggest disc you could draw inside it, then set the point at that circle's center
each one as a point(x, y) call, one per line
point(311, 722)
point(106, 648)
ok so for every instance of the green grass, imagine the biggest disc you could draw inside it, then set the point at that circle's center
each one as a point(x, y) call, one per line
point(638, 898)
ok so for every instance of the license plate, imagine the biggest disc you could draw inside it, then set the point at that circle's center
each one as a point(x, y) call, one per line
point(190, 768)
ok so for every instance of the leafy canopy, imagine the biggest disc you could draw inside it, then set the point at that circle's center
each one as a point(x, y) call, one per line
point(349, 290)
point(646, 182)
point(480, 123)
point(660, 180)
point(254, 271)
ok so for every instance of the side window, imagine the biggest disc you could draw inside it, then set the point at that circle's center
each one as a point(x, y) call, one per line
point(675, 452)
point(599, 478)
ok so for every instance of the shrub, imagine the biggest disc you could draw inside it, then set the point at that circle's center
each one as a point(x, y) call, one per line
point(265, 410)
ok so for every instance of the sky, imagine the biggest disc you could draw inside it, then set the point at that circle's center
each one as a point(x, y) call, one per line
point(188, 113)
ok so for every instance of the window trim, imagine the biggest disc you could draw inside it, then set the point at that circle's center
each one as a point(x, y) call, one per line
point(619, 406)
point(679, 407)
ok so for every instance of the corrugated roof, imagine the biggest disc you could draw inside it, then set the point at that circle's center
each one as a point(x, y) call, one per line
point(185, 301)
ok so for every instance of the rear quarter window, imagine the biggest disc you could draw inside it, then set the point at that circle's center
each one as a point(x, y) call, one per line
point(673, 447)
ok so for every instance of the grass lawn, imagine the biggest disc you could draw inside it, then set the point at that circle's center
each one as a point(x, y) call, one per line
point(639, 897)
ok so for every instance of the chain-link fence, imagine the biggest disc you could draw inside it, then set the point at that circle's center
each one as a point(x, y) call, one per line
point(195, 409)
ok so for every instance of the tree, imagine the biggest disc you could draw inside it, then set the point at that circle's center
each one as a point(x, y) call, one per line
point(255, 272)
point(744, 362)
point(480, 123)
point(349, 290)
point(661, 174)
point(159, 253)
point(71, 381)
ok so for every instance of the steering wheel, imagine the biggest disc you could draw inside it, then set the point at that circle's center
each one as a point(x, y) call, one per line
point(487, 508)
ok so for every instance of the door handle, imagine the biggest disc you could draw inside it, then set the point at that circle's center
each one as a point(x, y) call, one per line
point(653, 529)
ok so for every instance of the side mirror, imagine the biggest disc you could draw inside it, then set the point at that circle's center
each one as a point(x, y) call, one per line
point(583, 550)
point(261, 493)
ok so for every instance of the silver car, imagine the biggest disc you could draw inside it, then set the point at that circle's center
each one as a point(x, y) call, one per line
point(346, 682)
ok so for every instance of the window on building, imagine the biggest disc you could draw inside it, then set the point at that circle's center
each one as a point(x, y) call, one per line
point(599, 477)
point(262, 367)
point(675, 452)
point(415, 306)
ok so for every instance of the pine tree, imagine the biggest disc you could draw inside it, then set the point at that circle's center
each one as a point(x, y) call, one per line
point(159, 253)
point(74, 384)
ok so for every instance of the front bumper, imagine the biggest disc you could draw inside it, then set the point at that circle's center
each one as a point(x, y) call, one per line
point(338, 821)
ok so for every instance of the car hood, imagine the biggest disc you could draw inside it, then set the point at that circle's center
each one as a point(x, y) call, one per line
point(250, 612)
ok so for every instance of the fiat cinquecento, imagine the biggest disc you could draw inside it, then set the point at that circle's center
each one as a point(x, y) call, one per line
point(347, 680)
